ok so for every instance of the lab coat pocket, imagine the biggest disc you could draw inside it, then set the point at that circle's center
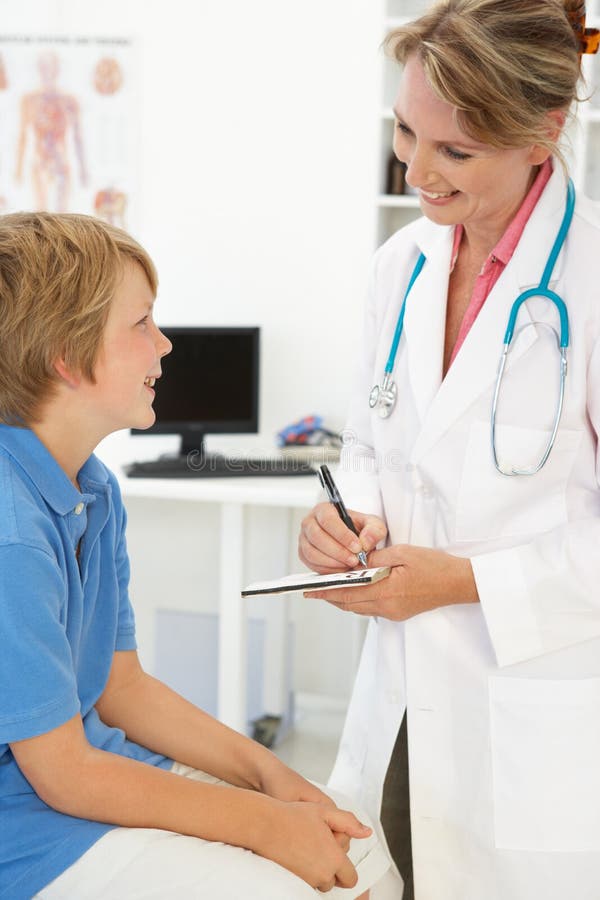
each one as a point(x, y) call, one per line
point(545, 738)
point(492, 505)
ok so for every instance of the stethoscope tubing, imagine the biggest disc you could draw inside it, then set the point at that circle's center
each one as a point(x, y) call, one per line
point(383, 397)
point(389, 366)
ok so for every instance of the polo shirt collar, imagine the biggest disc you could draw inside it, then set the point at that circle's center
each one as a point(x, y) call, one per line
point(40, 466)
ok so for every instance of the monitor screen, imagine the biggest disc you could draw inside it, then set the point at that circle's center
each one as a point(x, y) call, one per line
point(209, 384)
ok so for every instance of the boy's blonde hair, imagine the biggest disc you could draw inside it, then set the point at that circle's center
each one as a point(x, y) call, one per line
point(58, 275)
point(504, 64)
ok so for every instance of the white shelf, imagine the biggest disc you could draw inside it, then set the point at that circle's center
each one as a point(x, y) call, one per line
point(405, 201)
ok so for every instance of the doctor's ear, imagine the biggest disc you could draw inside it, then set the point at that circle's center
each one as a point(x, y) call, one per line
point(555, 122)
point(69, 376)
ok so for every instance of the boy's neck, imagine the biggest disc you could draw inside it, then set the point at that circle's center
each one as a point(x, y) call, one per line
point(69, 452)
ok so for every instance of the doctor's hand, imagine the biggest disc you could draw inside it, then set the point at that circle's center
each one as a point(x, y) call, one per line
point(420, 579)
point(325, 544)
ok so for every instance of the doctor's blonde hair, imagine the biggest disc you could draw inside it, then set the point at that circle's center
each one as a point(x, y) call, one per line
point(58, 276)
point(503, 64)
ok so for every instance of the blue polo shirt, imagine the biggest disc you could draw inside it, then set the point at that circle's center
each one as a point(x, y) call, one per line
point(61, 620)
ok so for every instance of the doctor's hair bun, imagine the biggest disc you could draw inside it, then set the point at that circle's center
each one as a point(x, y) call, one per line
point(504, 64)
point(588, 39)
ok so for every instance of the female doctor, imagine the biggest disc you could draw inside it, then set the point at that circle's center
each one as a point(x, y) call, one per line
point(478, 691)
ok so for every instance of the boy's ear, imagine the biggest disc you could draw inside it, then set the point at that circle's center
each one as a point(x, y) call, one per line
point(69, 376)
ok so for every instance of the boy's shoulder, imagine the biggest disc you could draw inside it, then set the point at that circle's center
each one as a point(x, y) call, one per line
point(35, 492)
point(21, 514)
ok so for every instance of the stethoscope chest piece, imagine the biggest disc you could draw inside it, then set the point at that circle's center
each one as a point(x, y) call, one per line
point(383, 397)
point(374, 396)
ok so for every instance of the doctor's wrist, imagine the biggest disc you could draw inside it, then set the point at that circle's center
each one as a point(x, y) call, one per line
point(464, 587)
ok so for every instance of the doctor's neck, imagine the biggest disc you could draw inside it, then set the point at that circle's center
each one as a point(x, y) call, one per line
point(481, 235)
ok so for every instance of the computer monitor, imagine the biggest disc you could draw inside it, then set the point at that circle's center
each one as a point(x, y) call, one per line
point(209, 385)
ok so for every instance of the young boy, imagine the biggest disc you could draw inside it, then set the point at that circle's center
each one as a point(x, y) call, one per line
point(92, 804)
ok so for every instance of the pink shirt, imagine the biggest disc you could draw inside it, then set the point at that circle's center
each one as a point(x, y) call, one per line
point(500, 255)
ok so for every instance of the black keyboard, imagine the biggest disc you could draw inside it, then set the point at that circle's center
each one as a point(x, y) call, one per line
point(216, 466)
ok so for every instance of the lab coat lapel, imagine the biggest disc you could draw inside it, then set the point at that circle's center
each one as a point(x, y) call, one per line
point(425, 317)
point(475, 367)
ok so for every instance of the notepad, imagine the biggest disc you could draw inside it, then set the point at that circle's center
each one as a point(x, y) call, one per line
point(310, 581)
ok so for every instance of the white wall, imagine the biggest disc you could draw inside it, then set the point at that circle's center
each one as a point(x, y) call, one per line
point(258, 134)
point(258, 167)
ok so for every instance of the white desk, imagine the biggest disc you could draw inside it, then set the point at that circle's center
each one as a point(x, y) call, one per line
point(233, 494)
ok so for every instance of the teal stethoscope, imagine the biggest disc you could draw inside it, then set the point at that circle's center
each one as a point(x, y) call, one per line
point(383, 396)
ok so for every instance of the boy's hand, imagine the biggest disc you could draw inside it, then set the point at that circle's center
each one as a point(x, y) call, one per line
point(301, 837)
point(283, 783)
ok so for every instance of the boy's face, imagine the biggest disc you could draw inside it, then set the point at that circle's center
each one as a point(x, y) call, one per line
point(129, 358)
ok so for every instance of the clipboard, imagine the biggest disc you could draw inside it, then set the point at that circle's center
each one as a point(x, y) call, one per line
point(310, 581)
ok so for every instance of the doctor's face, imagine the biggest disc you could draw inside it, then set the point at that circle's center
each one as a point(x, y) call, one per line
point(459, 179)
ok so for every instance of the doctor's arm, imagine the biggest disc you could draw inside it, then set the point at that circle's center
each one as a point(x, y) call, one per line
point(421, 579)
point(537, 597)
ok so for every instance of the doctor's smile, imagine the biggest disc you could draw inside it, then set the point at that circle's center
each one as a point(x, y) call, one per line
point(437, 198)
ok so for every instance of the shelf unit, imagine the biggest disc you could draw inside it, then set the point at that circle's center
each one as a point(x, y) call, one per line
point(583, 145)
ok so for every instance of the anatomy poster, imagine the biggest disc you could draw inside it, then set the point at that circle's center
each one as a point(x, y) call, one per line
point(69, 126)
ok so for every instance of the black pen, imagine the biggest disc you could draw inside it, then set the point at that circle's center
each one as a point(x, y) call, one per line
point(335, 497)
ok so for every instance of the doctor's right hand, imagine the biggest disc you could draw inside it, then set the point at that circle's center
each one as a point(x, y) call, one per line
point(325, 544)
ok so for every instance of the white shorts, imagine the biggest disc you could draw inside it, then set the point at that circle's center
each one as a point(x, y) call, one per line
point(144, 863)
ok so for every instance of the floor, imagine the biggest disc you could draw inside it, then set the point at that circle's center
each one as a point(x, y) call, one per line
point(311, 746)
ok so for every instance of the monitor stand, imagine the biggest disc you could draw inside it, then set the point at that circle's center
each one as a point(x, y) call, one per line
point(193, 450)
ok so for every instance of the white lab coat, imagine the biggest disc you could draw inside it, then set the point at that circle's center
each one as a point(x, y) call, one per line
point(503, 697)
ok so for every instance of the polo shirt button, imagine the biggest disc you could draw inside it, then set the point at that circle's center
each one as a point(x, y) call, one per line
point(78, 509)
